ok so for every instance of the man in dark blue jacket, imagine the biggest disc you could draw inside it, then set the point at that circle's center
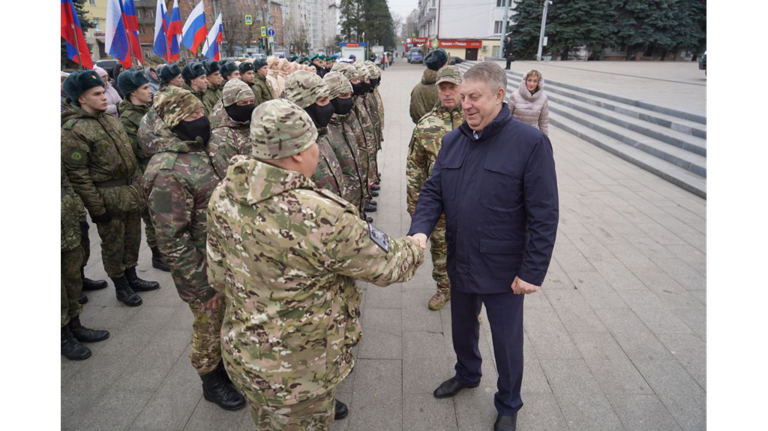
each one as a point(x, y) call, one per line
point(495, 180)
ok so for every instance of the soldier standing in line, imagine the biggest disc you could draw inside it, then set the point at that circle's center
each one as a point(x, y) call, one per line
point(364, 113)
point(230, 71)
point(196, 81)
point(215, 85)
point(170, 75)
point(373, 107)
point(230, 125)
point(424, 94)
point(260, 86)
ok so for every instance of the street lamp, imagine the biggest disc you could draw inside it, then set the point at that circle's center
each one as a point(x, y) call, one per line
point(543, 26)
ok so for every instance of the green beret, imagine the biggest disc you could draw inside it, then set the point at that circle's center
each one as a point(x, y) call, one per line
point(80, 81)
point(212, 67)
point(280, 129)
point(175, 104)
point(436, 59)
point(245, 66)
point(314, 57)
point(227, 69)
point(293, 58)
point(322, 57)
point(192, 71)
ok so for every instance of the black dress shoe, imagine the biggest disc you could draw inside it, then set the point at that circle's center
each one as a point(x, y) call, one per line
point(82, 299)
point(451, 387)
point(505, 423)
point(341, 410)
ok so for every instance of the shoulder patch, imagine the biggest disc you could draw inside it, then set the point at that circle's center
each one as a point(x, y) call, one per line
point(69, 124)
point(76, 157)
point(332, 196)
point(163, 202)
point(380, 238)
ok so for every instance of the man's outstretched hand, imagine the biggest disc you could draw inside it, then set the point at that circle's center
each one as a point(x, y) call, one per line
point(521, 287)
point(421, 239)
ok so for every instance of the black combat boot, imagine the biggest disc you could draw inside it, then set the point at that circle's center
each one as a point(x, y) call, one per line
point(373, 193)
point(82, 299)
point(376, 187)
point(89, 284)
point(158, 261)
point(369, 208)
point(71, 348)
point(341, 411)
point(137, 284)
point(220, 368)
point(216, 390)
point(85, 335)
point(125, 294)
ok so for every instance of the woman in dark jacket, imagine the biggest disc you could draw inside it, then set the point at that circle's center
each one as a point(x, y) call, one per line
point(113, 74)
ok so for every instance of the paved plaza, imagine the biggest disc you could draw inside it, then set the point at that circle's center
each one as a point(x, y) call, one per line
point(614, 340)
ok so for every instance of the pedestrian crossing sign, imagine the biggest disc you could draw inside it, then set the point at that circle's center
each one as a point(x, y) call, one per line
point(249, 20)
point(263, 31)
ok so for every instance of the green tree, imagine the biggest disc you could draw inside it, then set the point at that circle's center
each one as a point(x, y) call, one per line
point(576, 23)
point(86, 25)
point(525, 28)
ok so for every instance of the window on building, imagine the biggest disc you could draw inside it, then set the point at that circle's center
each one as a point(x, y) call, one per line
point(501, 3)
point(433, 3)
point(93, 2)
point(495, 52)
point(497, 25)
point(97, 24)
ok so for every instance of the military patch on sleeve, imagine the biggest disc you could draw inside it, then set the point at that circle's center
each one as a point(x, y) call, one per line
point(380, 238)
point(76, 157)
point(163, 202)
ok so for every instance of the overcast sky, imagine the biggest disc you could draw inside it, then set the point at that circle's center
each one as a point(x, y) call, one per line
point(402, 7)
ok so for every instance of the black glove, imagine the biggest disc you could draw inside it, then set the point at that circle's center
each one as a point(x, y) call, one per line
point(104, 218)
point(84, 228)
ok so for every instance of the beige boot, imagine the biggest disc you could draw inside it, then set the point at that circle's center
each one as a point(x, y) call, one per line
point(439, 299)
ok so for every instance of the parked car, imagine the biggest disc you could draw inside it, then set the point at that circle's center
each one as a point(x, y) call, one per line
point(415, 55)
point(456, 60)
point(703, 63)
point(107, 64)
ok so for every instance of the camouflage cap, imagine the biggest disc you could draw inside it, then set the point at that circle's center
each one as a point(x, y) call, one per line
point(174, 104)
point(338, 84)
point(450, 74)
point(235, 91)
point(373, 70)
point(305, 88)
point(362, 71)
point(346, 69)
point(280, 129)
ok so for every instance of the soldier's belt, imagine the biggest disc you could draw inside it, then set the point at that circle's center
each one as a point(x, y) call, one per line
point(114, 183)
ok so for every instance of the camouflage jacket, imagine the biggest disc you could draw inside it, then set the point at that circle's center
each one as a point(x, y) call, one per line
point(344, 145)
point(200, 96)
point(373, 111)
point(130, 118)
point(72, 212)
point(362, 114)
point(261, 89)
point(285, 255)
point(357, 129)
point(424, 95)
point(328, 173)
point(425, 143)
point(380, 104)
point(95, 149)
point(178, 184)
point(228, 138)
point(211, 96)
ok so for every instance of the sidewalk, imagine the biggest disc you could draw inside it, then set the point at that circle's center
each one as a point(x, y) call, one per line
point(616, 338)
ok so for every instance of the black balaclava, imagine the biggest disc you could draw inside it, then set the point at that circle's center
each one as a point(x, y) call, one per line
point(241, 114)
point(191, 130)
point(366, 86)
point(321, 115)
point(358, 89)
point(343, 106)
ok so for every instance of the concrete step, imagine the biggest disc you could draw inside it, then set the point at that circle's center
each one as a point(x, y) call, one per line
point(685, 159)
point(674, 174)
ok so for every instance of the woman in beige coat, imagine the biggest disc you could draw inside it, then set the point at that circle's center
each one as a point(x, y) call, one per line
point(272, 74)
point(529, 103)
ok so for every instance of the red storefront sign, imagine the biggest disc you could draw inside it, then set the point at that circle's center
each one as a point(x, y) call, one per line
point(461, 44)
point(419, 40)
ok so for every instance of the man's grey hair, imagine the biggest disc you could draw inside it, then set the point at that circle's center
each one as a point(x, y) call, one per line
point(490, 73)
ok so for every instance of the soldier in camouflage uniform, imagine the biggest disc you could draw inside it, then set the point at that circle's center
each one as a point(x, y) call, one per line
point(178, 183)
point(248, 75)
point(372, 104)
point(343, 140)
point(138, 100)
point(260, 86)
point(422, 153)
point(355, 124)
point(230, 125)
point(102, 168)
point(285, 255)
point(196, 81)
point(215, 85)
point(371, 137)
point(424, 94)
point(72, 332)
point(310, 92)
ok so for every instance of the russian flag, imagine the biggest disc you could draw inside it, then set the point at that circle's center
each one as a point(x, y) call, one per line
point(215, 36)
point(72, 34)
point(115, 40)
point(132, 25)
point(174, 31)
point(160, 47)
point(193, 33)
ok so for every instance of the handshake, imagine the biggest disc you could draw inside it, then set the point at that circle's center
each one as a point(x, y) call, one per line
point(420, 239)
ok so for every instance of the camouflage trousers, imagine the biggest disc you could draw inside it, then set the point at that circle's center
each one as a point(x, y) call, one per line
point(85, 243)
point(315, 414)
point(120, 241)
point(71, 284)
point(439, 250)
point(149, 228)
point(206, 338)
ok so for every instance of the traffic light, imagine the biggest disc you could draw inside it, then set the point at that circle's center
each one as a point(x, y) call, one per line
point(261, 43)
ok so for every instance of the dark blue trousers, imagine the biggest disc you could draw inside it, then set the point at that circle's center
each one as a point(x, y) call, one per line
point(505, 314)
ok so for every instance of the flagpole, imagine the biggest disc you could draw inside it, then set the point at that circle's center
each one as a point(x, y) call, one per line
point(77, 46)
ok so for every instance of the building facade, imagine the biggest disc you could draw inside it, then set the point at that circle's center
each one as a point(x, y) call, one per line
point(310, 25)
